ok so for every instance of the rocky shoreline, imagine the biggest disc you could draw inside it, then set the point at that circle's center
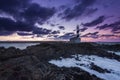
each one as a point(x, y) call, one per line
point(32, 62)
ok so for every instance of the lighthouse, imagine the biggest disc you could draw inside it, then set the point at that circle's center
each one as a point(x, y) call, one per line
point(77, 31)
point(76, 39)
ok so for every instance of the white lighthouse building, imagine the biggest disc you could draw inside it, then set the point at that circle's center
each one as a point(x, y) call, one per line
point(77, 38)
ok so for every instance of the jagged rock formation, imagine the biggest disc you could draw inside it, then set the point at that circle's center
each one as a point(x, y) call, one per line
point(30, 68)
point(115, 47)
point(46, 50)
point(32, 63)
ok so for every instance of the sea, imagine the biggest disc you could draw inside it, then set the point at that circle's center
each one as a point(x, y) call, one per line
point(20, 45)
point(108, 43)
point(23, 45)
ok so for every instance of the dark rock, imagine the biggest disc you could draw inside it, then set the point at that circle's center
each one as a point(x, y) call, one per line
point(32, 62)
point(48, 51)
point(114, 47)
point(98, 69)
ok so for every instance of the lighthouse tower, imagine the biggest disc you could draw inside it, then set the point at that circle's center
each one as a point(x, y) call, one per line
point(76, 39)
point(77, 31)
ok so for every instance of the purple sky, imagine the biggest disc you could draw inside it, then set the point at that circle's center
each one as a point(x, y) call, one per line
point(34, 20)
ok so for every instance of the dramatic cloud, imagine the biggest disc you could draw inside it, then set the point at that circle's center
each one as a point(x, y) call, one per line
point(67, 36)
point(90, 11)
point(83, 29)
point(95, 22)
point(95, 35)
point(61, 27)
point(13, 6)
point(77, 1)
point(55, 32)
point(109, 36)
point(42, 31)
point(26, 14)
point(25, 9)
point(91, 35)
point(114, 26)
point(77, 10)
point(24, 33)
point(50, 18)
point(7, 24)
point(37, 13)
point(52, 25)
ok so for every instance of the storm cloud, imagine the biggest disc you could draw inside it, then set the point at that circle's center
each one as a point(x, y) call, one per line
point(7, 24)
point(95, 22)
point(61, 27)
point(90, 11)
point(113, 26)
point(13, 6)
point(83, 29)
point(57, 19)
point(25, 14)
point(55, 32)
point(36, 13)
point(77, 10)
point(67, 36)
point(24, 33)
point(91, 35)
point(8, 27)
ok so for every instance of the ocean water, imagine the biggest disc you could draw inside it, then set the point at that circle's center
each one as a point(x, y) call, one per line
point(23, 45)
point(17, 45)
point(108, 43)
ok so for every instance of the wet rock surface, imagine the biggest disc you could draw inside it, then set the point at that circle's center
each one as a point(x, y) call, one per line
point(32, 62)
point(114, 47)
point(98, 69)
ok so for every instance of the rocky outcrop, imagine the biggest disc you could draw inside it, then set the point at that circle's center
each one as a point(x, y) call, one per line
point(31, 68)
point(47, 51)
point(32, 63)
point(9, 53)
point(98, 69)
point(113, 47)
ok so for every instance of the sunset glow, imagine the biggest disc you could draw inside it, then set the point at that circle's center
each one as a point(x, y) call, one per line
point(44, 20)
